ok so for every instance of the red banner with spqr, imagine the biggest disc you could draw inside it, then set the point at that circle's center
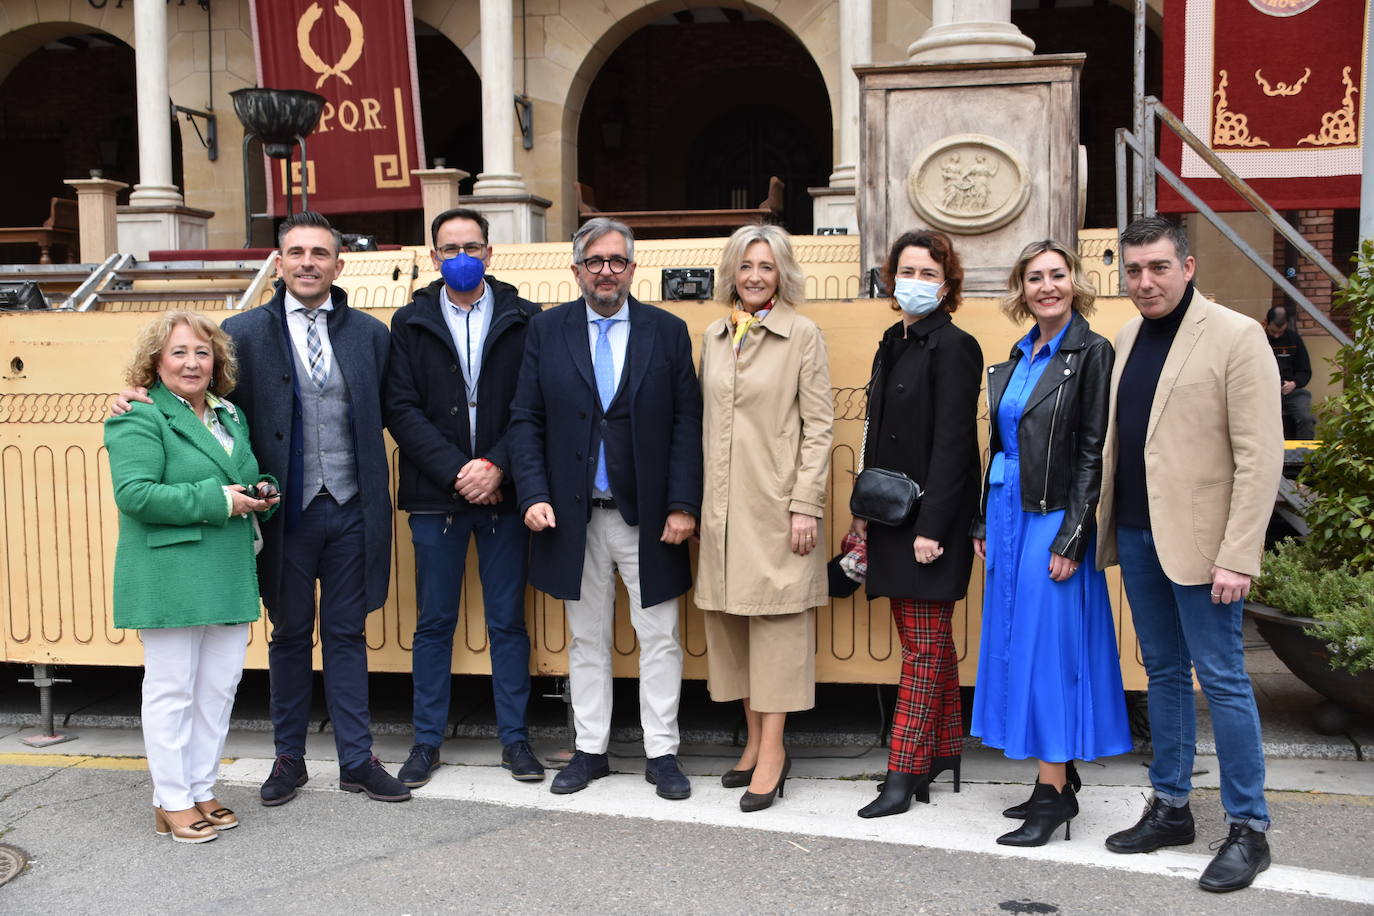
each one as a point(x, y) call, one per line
point(359, 55)
point(1275, 89)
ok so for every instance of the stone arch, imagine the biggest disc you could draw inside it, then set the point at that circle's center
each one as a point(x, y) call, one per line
point(27, 33)
point(589, 43)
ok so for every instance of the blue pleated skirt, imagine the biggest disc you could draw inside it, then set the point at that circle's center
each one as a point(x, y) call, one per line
point(1049, 677)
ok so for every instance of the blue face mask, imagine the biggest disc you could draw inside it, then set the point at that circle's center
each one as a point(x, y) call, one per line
point(462, 272)
point(916, 297)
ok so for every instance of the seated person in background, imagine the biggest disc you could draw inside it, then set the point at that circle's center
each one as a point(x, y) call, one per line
point(1295, 370)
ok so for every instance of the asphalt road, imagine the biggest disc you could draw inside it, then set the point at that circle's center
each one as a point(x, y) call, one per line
point(479, 843)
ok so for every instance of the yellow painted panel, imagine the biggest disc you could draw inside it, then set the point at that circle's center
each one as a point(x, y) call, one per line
point(58, 524)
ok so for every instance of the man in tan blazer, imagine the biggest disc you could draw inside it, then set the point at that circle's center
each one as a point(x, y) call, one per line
point(1191, 465)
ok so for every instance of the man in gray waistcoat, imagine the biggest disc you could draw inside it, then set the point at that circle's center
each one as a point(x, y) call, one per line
point(310, 382)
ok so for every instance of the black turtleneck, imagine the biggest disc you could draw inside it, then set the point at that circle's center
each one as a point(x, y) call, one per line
point(1135, 395)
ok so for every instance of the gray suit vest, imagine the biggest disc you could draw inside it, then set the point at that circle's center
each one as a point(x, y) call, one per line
point(329, 461)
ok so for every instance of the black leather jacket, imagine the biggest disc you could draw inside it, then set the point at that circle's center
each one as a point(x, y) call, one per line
point(1061, 435)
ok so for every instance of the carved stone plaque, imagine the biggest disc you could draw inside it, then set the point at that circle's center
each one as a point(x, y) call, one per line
point(968, 184)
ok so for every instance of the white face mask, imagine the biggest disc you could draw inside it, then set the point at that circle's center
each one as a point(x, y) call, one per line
point(917, 297)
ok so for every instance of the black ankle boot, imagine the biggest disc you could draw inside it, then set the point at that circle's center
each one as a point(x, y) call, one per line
point(1018, 812)
point(1048, 810)
point(897, 792)
point(946, 764)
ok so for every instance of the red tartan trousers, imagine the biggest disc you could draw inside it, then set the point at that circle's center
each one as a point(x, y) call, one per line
point(928, 721)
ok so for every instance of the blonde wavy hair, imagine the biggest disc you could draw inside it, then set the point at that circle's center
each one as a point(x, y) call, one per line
point(1014, 302)
point(152, 340)
point(791, 282)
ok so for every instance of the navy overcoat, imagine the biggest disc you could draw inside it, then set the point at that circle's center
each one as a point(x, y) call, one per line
point(554, 439)
point(267, 393)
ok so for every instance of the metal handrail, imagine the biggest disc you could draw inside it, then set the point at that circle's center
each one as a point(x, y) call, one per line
point(1144, 203)
point(83, 298)
point(1125, 140)
point(260, 278)
point(1237, 184)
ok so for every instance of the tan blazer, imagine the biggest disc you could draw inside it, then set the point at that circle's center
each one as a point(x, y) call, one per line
point(767, 426)
point(1213, 446)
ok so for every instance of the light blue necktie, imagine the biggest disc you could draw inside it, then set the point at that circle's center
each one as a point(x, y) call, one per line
point(605, 387)
point(314, 349)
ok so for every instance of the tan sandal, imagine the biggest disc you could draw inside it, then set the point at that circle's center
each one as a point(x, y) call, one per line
point(201, 831)
point(220, 817)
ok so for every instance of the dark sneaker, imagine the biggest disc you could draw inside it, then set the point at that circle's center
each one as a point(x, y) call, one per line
point(664, 773)
point(288, 775)
point(419, 766)
point(580, 771)
point(373, 779)
point(520, 760)
point(1243, 855)
point(1160, 825)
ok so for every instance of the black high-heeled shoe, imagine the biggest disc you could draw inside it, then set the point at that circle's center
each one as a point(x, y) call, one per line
point(1018, 812)
point(896, 792)
point(949, 764)
point(1048, 810)
point(754, 801)
point(737, 779)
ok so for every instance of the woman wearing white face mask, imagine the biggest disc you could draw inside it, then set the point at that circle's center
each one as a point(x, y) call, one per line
point(922, 413)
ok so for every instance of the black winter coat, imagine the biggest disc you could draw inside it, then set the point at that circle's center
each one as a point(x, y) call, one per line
point(923, 421)
point(267, 393)
point(426, 403)
point(1060, 436)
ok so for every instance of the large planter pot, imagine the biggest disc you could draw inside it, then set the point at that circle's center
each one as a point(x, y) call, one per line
point(1306, 657)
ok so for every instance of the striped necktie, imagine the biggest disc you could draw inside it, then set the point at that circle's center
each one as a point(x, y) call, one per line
point(314, 350)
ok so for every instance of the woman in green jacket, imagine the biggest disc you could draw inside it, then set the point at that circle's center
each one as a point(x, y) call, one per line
point(185, 575)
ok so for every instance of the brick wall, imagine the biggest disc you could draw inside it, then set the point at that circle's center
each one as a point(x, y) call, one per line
point(1318, 228)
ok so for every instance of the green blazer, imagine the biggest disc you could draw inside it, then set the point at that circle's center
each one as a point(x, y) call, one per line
point(182, 561)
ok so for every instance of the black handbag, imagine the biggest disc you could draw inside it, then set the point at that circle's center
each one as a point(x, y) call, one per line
point(882, 496)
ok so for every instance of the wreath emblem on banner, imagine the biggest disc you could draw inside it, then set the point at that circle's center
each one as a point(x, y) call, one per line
point(350, 54)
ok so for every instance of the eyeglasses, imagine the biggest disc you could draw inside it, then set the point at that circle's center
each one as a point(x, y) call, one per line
point(471, 249)
point(595, 264)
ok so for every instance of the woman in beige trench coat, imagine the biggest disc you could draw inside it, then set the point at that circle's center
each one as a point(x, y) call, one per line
point(766, 433)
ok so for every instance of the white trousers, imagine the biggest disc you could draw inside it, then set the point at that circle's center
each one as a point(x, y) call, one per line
point(190, 676)
point(613, 546)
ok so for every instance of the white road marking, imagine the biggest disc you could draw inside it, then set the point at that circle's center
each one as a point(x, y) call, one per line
point(968, 821)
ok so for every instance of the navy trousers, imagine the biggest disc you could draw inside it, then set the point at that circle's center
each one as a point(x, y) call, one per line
point(327, 545)
point(441, 549)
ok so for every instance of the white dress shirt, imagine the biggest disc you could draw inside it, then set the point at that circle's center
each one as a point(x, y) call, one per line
point(298, 325)
point(468, 327)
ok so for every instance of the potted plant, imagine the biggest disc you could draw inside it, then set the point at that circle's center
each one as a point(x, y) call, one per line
point(1314, 600)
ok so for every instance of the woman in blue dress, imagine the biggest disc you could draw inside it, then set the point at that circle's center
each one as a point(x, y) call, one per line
point(1049, 678)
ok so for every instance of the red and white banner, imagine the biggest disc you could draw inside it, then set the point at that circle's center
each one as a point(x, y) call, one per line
point(361, 57)
point(1274, 88)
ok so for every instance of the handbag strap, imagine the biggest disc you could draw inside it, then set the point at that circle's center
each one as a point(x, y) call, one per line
point(868, 405)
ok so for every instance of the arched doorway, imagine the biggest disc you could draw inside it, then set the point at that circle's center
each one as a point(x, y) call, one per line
point(1105, 32)
point(698, 109)
point(66, 108)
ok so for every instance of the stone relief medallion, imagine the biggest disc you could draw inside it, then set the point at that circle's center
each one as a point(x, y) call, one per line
point(968, 183)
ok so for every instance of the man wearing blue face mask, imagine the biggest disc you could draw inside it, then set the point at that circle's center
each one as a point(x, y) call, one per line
point(455, 356)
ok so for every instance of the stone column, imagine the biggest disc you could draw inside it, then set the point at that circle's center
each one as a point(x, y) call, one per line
point(856, 47)
point(154, 188)
point(834, 206)
point(970, 30)
point(498, 177)
point(438, 192)
point(95, 202)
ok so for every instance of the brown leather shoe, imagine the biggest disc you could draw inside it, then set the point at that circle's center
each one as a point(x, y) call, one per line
point(200, 831)
point(220, 817)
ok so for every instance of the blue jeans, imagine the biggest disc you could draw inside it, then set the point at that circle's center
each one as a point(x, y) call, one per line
point(1180, 629)
point(441, 550)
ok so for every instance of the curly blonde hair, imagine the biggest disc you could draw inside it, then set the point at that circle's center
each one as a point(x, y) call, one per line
point(791, 281)
point(1014, 302)
point(152, 339)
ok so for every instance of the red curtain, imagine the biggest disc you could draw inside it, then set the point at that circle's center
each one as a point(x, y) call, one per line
point(360, 56)
point(1275, 88)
